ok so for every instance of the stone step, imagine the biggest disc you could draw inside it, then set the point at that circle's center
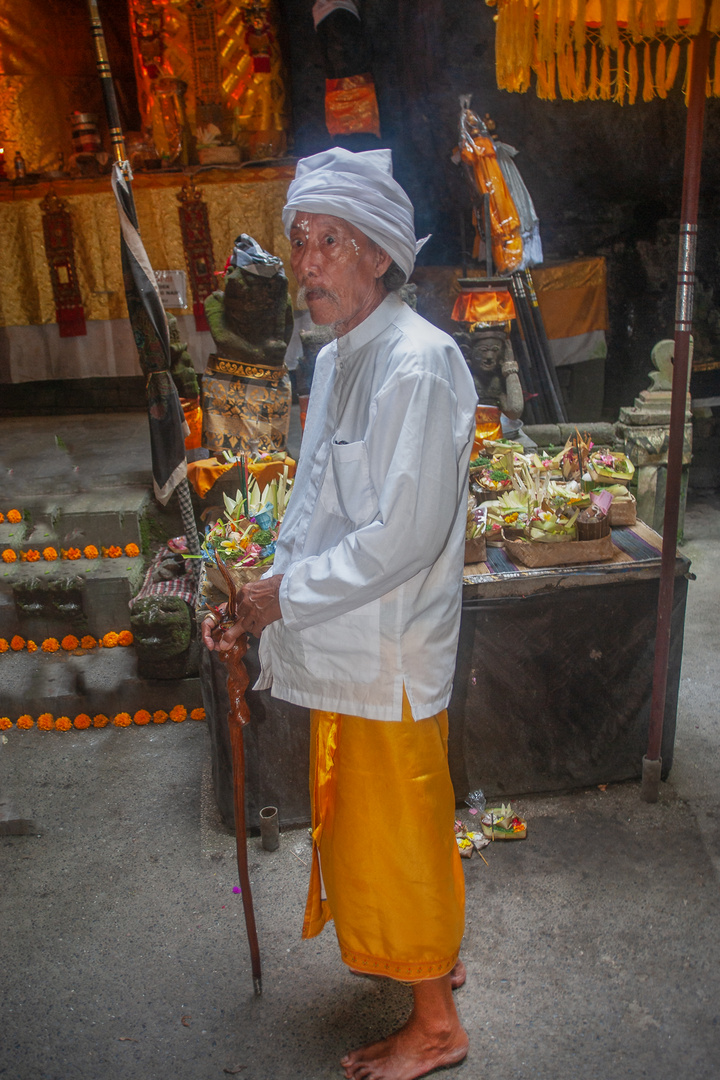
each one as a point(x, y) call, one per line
point(76, 519)
point(97, 681)
point(83, 596)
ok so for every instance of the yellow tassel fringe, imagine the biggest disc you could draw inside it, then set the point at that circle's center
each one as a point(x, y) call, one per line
point(549, 38)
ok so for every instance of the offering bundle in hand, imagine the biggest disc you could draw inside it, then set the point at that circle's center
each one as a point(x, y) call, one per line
point(244, 537)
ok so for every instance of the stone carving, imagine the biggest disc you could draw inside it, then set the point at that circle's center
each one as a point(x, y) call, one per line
point(490, 358)
point(163, 633)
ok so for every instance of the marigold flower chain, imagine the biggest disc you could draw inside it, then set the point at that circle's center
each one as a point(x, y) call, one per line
point(47, 722)
point(50, 554)
point(69, 643)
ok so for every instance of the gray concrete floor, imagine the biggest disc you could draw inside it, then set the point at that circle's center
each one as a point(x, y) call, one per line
point(592, 947)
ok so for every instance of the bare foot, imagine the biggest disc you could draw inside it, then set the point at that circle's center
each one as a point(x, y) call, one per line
point(432, 1038)
point(458, 975)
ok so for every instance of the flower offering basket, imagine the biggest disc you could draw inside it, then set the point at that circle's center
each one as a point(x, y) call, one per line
point(536, 554)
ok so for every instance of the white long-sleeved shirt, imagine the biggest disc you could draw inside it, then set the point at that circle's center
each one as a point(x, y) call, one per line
point(371, 547)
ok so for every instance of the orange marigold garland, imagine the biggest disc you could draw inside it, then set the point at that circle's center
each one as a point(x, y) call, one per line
point(49, 554)
point(50, 644)
point(14, 517)
point(45, 722)
point(101, 720)
point(69, 642)
point(178, 714)
point(71, 553)
point(197, 714)
point(159, 716)
point(25, 721)
point(88, 642)
point(132, 551)
point(113, 552)
point(5, 723)
point(142, 717)
point(90, 552)
point(63, 723)
point(9, 555)
point(122, 719)
point(3, 645)
point(17, 643)
point(82, 721)
point(109, 640)
point(31, 646)
point(31, 555)
point(2, 518)
point(125, 638)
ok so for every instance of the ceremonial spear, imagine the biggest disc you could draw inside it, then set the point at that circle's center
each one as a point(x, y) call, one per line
point(169, 466)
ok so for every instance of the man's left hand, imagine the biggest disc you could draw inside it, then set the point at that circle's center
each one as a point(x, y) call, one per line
point(258, 605)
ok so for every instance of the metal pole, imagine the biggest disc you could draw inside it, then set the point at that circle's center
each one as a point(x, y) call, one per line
point(652, 762)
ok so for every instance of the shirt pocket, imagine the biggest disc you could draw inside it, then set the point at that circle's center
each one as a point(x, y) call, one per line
point(347, 489)
point(345, 649)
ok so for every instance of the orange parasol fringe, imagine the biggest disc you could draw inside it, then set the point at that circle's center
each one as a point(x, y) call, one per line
point(605, 77)
point(609, 32)
point(620, 79)
point(648, 85)
point(550, 38)
point(714, 17)
point(580, 71)
point(579, 29)
point(562, 38)
point(632, 75)
point(672, 65)
point(672, 28)
point(660, 69)
point(593, 83)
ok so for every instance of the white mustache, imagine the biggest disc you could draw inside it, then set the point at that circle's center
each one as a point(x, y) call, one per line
point(303, 290)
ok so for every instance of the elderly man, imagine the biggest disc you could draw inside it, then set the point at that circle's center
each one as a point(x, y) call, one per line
point(360, 617)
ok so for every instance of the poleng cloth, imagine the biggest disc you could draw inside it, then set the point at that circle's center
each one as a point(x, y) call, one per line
point(358, 188)
point(245, 407)
point(384, 846)
point(373, 541)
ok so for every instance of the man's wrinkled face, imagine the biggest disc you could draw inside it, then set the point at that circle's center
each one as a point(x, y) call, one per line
point(338, 269)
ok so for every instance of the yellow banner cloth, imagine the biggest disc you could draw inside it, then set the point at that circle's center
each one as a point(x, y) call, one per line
point(382, 813)
point(572, 297)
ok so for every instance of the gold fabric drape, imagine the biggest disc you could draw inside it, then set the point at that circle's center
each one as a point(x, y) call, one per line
point(599, 50)
point(242, 201)
point(48, 71)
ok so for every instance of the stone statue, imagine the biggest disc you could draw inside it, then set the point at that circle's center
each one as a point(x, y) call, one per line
point(163, 637)
point(181, 365)
point(251, 318)
point(246, 387)
point(490, 358)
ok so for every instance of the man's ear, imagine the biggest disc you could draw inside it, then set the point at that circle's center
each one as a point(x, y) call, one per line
point(383, 262)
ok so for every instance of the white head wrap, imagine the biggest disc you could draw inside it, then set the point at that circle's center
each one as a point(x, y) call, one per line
point(358, 188)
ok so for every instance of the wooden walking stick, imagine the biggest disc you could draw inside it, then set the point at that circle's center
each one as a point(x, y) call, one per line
point(238, 717)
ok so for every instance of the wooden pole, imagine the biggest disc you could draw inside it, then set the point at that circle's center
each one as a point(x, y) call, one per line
point(652, 762)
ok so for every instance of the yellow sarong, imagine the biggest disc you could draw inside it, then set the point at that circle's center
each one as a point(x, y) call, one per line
point(384, 847)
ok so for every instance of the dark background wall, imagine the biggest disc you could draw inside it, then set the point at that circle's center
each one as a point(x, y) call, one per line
point(605, 179)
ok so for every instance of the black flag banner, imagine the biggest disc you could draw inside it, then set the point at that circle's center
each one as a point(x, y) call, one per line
point(150, 330)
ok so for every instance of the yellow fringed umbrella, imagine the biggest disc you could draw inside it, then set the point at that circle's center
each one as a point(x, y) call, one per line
point(595, 49)
point(600, 49)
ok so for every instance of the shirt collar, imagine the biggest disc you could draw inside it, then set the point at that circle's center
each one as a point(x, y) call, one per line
point(369, 328)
